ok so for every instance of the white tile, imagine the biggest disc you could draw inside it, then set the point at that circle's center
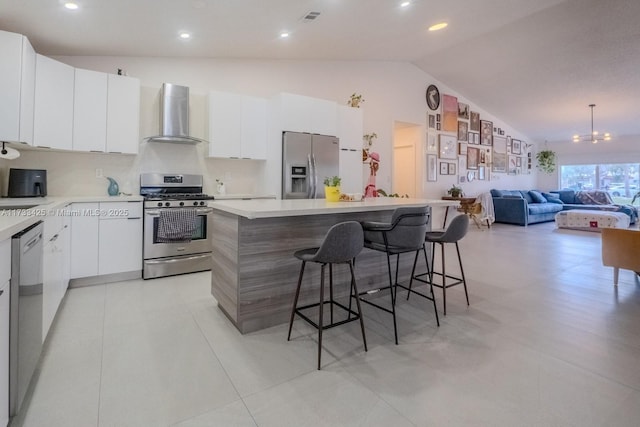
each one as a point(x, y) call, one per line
point(232, 415)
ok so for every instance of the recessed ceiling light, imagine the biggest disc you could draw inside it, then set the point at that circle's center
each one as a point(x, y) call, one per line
point(71, 5)
point(184, 35)
point(405, 3)
point(284, 34)
point(438, 26)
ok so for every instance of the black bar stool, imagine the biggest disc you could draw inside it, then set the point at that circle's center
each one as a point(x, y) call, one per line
point(405, 233)
point(453, 234)
point(341, 245)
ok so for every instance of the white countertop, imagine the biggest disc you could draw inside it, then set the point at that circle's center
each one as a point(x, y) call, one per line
point(14, 220)
point(262, 208)
point(239, 196)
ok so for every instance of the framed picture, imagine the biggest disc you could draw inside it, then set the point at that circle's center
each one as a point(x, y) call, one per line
point(433, 97)
point(444, 168)
point(463, 128)
point(462, 149)
point(432, 121)
point(481, 173)
point(438, 117)
point(486, 132)
point(432, 165)
point(462, 165)
point(500, 144)
point(449, 113)
point(511, 167)
point(499, 163)
point(448, 149)
point(463, 111)
point(516, 147)
point(452, 168)
point(438, 126)
point(432, 142)
point(474, 123)
point(483, 157)
point(518, 162)
point(473, 156)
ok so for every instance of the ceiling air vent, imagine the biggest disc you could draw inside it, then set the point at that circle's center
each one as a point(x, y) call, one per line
point(310, 17)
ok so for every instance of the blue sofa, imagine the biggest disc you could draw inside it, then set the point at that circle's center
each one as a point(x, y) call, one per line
point(522, 207)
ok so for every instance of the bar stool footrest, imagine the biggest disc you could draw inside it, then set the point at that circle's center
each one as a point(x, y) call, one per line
point(330, 325)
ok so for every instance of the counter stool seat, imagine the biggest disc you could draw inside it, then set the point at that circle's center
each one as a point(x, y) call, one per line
point(341, 245)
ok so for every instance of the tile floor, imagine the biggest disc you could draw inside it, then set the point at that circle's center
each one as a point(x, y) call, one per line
point(547, 341)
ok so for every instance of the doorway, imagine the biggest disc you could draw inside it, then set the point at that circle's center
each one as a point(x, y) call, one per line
point(406, 158)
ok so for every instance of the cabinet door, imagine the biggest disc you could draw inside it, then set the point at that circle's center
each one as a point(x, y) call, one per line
point(123, 114)
point(295, 112)
point(84, 240)
point(53, 116)
point(351, 170)
point(4, 353)
point(324, 117)
point(51, 283)
point(350, 127)
point(254, 128)
point(225, 121)
point(120, 246)
point(90, 111)
point(64, 242)
point(17, 85)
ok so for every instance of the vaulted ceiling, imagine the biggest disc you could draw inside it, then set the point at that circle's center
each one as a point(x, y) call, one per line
point(535, 64)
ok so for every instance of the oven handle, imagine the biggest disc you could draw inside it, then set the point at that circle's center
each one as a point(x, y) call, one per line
point(156, 212)
point(168, 260)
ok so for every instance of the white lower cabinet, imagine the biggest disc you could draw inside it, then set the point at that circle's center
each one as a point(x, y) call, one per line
point(107, 239)
point(55, 268)
point(4, 352)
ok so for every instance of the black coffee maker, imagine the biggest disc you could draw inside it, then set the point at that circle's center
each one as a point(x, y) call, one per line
point(27, 183)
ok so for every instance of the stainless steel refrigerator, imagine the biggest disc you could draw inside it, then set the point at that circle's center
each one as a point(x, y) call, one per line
point(307, 159)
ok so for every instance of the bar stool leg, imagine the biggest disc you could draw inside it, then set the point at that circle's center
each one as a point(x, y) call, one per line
point(331, 290)
point(444, 281)
point(355, 289)
point(295, 300)
point(320, 313)
point(413, 270)
point(393, 299)
point(464, 282)
point(430, 272)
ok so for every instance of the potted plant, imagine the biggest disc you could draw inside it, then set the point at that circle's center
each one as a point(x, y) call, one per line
point(332, 188)
point(546, 161)
point(455, 191)
point(355, 100)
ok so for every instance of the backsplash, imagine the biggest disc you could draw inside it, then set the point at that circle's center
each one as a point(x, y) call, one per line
point(74, 174)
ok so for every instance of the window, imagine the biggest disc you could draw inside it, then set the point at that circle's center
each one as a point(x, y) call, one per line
point(619, 179)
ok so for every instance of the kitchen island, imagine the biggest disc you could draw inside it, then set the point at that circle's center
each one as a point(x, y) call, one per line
point(254, 273)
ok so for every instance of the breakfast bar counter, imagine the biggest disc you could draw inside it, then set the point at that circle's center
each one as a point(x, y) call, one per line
point(254, 273)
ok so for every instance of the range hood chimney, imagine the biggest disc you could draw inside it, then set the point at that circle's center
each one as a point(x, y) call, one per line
point(174, 116)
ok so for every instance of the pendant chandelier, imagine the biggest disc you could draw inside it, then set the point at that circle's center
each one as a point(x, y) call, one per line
point(594, 137)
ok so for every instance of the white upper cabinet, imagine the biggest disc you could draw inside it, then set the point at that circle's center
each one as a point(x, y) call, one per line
point(53, 118)
point(17, 88)
point(350, 127)
point(237, 126)
point(123, 114)
point(90, 111)
point(300, 113)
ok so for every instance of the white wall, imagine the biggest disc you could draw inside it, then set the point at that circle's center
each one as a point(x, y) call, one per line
point(393, 91)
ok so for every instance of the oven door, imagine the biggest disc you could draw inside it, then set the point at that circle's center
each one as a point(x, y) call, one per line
point(200, 241)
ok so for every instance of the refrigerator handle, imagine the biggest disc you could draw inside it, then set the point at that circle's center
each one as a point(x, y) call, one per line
point(315, 177)
point(310, 174)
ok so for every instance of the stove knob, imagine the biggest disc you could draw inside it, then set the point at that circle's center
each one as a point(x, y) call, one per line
point(167, 204)
point(195, 203)
point(159, 203)
point(181, 203)
point(201, 203)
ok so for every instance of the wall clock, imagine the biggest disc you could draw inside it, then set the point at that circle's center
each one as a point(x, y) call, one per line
point(433, 97)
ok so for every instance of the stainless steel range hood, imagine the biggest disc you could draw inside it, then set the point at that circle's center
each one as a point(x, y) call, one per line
point(174, 116)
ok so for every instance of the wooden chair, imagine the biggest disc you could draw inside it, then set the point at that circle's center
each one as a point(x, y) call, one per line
point(621, 249)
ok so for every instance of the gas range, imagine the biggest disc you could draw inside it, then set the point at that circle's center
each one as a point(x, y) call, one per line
point(172, 191)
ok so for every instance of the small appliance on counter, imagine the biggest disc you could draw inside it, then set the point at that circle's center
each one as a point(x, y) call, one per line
point(27, 183)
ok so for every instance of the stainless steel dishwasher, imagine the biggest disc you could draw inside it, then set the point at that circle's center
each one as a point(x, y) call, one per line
point(25, 336)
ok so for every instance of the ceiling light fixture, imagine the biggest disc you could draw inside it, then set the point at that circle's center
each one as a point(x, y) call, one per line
point(185, 35)
point(284, 34)
point(594, 137)
point(438, 26)
point(71, 5)
point(405, 3)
